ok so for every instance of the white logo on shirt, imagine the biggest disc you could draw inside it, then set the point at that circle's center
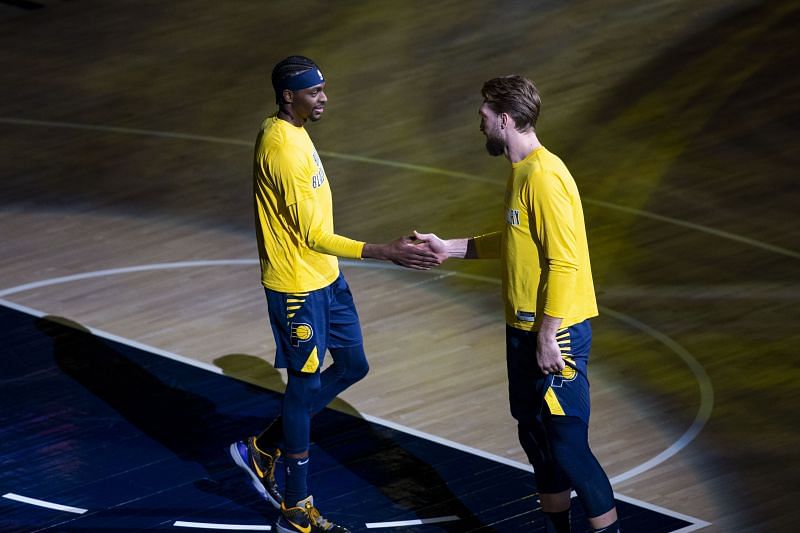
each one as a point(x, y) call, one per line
point(512, 216)
point(319, 178)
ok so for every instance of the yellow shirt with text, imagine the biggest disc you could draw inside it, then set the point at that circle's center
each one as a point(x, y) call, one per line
point(543, 245)
point(297, 245)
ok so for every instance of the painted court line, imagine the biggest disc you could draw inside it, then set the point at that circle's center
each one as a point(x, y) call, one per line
point(706, 396)
point(695, 522)
point(43, 503)
point(121, 340)
point(420, 522)
point(704, 382)
point(227, 527)
point(406, 166)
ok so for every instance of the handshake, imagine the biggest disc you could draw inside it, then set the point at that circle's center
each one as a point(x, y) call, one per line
point(420, 251)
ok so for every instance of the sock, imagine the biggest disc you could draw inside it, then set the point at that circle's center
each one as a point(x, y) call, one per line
point(611, 528)
point(296, 480)
point(271, 437)
point(557, 522)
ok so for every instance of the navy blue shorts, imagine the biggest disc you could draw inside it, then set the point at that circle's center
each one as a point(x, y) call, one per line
point(306, 324)
point(532, 394)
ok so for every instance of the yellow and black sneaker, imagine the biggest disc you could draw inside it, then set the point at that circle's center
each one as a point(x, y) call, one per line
point(305, 518)
point(260, 467)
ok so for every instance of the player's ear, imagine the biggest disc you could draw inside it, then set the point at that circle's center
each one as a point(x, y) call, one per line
point(288, 96)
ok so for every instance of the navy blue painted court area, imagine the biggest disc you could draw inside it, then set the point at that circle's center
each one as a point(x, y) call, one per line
point(120, 439)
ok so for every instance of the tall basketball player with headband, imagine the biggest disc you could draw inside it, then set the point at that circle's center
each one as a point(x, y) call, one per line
point(311, 309)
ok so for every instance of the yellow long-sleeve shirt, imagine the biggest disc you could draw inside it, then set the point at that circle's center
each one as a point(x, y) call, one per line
point(297, 245)
point(543, 246)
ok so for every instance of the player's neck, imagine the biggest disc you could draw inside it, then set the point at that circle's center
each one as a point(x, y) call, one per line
point(285, 113)
point(520, 145)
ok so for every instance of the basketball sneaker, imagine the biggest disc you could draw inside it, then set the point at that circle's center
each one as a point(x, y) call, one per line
point(305, 518)
point(260, 466)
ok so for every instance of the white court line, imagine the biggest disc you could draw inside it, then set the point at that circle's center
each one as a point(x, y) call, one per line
point(706, 396)
point(122, 340)
point(125, 270)
point(228, 527)
point(406, 166)
point(419, 522)
point(706, 389)
point(696, 523)
point(43, 503)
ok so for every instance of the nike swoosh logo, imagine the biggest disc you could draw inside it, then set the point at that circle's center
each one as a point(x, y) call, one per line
point(302, 462)
point(303, 529)
point(258, 470)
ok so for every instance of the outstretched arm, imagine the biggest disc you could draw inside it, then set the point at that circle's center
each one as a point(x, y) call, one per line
point(402, 251)
point(482, 247)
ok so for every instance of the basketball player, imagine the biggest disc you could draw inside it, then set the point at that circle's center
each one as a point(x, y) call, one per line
point(549, 297)
point(311, 309)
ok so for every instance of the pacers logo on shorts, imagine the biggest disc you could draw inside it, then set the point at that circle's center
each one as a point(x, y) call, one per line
point(568, 373)
point(301, 333)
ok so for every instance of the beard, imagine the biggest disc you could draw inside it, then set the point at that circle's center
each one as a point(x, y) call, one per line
point(495, 146)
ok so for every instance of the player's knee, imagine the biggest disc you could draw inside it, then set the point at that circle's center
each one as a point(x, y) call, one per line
point(357, 370)
point(351, 363)
point(569, 441)
point(534, 442)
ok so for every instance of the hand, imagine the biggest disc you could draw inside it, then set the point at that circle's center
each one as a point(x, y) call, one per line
point(548, 355)
point(433, 243)
point(406, 252)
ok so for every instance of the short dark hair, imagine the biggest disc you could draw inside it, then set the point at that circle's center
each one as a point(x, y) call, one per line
point(516, 96)
point(288, 68)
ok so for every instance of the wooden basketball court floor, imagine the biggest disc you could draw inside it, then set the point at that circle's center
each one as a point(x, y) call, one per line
point(125, 222)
